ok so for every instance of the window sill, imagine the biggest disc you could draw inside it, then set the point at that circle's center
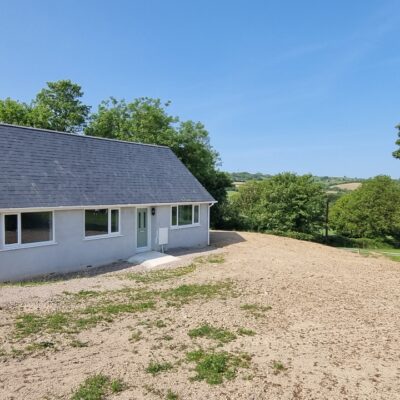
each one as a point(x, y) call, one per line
point(27, 246)
point(185, 226)
point(98, 237)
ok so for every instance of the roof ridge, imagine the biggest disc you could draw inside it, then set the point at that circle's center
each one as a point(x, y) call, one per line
point(81, 135)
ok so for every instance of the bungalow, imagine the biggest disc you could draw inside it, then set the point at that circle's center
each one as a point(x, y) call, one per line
point(71, 201)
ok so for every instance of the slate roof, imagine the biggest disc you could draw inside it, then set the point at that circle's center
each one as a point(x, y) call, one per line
point(41, 168)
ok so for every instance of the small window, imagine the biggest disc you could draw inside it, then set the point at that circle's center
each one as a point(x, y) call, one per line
point(114, 221)
point(11, 229)
point(195, 214)
point(101, 222)
point(174, 221)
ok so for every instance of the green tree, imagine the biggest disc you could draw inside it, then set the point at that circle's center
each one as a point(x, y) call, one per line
point(14, 112)
point(396, 153)
point(59, 107)
point(146, 120)
point(286, 202)
point(371, 211)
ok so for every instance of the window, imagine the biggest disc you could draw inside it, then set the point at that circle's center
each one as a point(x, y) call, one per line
point(101, 222)
point(195, 214)
point(28, 228)
point(11, 229)
point(185, 215)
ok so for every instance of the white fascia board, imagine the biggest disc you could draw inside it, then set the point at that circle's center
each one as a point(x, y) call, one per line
point(65, 208)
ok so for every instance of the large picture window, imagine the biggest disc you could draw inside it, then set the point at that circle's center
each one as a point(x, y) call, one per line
point(101, 222)
point(28, 228)
point(185, 215)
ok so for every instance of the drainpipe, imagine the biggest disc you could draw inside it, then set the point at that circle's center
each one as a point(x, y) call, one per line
point(209, 210)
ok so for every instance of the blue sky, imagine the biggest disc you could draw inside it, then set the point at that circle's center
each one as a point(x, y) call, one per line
point(303, 86)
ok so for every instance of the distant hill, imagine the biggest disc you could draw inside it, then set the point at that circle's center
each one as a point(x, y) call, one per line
point(331, 183)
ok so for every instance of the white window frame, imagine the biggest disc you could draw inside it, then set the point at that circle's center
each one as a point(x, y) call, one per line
point(19, 245)
point(193, 224)
point(109, 234)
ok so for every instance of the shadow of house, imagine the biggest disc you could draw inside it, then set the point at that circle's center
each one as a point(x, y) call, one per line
point(225, 238)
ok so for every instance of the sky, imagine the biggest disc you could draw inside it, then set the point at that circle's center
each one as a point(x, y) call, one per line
point(302, 86)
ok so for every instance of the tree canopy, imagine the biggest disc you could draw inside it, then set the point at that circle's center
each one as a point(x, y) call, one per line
point(58, 107)
point(371, 211)
point(285, 202)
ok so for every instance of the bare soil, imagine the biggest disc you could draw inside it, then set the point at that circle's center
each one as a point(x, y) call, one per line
point(326, 324)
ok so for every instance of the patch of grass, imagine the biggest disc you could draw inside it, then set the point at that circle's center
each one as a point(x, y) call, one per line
point(84, 294)
point(39, 346)
point(160, 275)
point(215, 367)
point(255, 309)
point(136, 336)
point(160, 324)
point(29, 283)
point(78, 343)
point(73, 322)
point(278, 367)
point(171, 395)
point(117, 386)
point(167, 337)
point(211, 332)
point(216, 259)
point(96, 387)
point(155, 367)
point(245, 332)
point(184, 293)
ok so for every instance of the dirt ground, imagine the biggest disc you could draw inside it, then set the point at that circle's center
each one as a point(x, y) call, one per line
point(321, 323)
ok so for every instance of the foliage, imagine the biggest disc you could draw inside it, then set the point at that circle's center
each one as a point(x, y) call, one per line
point(371, 211)
point(146, 120)
point(14, 112)
point(286, 202)
point(58, 107)
point(396, 153)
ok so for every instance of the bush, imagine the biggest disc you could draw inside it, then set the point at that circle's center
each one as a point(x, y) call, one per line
point(371, 211)
point(284, 203)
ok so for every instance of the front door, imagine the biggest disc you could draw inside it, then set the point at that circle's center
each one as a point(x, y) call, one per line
point(142, 228)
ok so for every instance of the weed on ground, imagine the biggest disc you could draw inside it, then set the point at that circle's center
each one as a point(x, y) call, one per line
point(255, 309)
point(211, 332)
point(96, 387)
point(214, 367)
